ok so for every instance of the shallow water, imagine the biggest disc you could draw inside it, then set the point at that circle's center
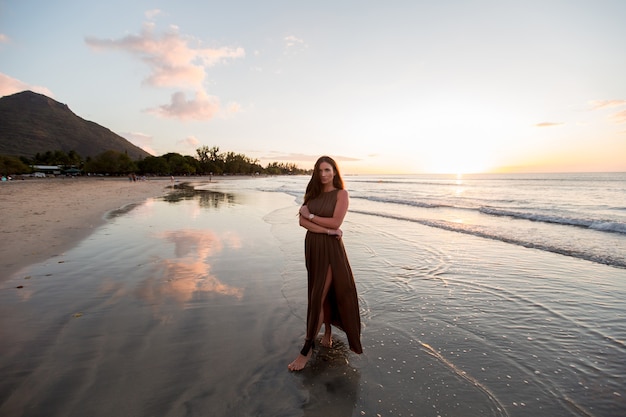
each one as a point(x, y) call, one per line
point(194, 305)
point(532, 333)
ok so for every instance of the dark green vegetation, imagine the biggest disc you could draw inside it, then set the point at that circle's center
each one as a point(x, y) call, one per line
point(11, 165)
point(209, 161)
point(37, 130)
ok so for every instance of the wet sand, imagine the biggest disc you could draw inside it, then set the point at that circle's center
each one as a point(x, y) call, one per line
point(194, 303)
point(170, 305)
point(42, 218)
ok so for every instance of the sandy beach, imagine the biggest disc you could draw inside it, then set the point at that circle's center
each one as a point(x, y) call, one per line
point(42, 218)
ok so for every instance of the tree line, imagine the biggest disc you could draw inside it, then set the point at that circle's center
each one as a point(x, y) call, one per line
point(208, 161)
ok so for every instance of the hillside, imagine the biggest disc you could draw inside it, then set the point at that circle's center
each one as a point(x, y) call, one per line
point(31, 123)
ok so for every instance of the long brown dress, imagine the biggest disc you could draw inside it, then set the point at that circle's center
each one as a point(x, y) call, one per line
point(320, 251)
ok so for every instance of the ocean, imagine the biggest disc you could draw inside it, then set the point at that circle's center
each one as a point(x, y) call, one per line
point(577, 215)
point(481, 295)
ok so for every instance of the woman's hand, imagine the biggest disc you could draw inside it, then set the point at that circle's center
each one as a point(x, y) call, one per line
point(304, 212)
point(338, 233)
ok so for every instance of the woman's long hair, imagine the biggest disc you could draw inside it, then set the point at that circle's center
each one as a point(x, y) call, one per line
point(314, 188)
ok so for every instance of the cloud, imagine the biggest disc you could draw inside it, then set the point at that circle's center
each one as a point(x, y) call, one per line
point(233, 108)
point(201, 107)
point(189, 143)
point(4, 38)
point(294, 44)
point(10, 85)
point(300, 157)
point(176, 61)
point(171, 57)
point(600, 104)
point(342, 158)
point(619, 117)
point(151, 14)
point(142, 140)
point(548, 124)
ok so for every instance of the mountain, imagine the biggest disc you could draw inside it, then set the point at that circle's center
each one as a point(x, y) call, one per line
point(31, 123)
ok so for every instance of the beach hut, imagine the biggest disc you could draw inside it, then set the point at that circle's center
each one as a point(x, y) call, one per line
point(72, 171)
point(47, 169)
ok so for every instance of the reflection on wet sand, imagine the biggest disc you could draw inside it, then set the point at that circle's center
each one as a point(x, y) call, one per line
point(205, 198)
point(331, 382)
point(189, 271)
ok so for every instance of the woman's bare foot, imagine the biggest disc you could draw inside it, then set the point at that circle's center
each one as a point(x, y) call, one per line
point(300, 362)
point(327, 340)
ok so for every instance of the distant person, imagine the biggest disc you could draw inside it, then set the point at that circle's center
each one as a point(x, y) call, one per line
point(332, 297)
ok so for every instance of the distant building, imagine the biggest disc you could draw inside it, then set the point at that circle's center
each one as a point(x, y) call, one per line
point(72, 171)
point(47, 169)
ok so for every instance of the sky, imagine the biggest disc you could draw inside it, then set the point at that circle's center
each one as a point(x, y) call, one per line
point(393, 87)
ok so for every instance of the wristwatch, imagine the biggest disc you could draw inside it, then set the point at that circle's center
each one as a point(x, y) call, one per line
point(311, 215)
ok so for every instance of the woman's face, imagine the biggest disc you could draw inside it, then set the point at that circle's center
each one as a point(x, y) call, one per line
point(326, 173)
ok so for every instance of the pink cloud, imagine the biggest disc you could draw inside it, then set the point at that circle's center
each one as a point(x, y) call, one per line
point(151, 14)
point(294, 44)
point(189, 143)
point(173, 60)
point(201, 107)
point(10, 85)
point(301, 157)
point(233, 108)
point(619, 117)
point(548, 124)
point(139, 139)
point(599, 104)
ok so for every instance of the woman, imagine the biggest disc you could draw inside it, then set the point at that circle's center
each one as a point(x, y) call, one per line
point(332, 297)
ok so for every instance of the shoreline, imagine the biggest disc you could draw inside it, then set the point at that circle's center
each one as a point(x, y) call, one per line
point(43, 218)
